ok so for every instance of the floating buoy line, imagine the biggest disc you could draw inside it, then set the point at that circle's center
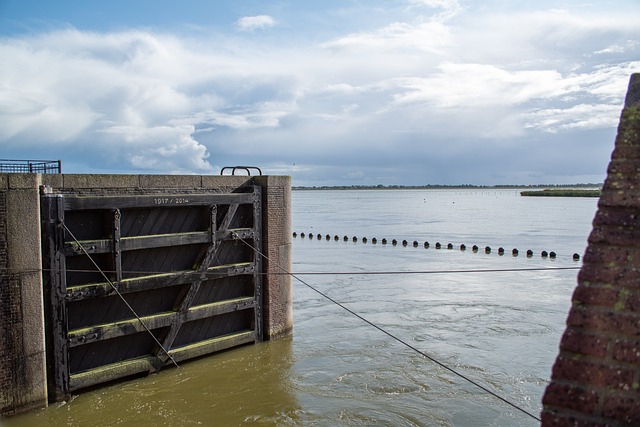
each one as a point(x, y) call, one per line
point(424, 354)
point(449, 246)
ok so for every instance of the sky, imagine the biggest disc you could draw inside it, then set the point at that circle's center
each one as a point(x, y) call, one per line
point(351, 92)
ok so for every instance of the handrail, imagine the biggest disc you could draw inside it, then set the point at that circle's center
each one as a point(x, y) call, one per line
point(30, 166)
point(246, 168)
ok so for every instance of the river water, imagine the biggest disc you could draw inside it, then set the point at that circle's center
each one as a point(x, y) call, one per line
point(495, 319)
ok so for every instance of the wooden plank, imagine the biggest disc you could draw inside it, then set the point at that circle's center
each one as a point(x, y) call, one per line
point(258, 264)
point(110, 372)
point(138, 365)
point(155, 281)
point(55, 303)
point(107, 331)
point(77, 203)
point(101, 246)
point(137, 243)
point(220, 307)
point(213, 345)
point(165, 240)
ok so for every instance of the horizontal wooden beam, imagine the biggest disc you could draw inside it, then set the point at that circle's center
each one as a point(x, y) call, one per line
point(102, 246)
point(137, 242)
point(156, 281)
point(211, 346)
point(130, 367)
point(111, 372)
point(92, 334)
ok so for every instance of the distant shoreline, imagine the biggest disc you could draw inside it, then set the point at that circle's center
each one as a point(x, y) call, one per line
point(562, 192)
point(447, 187)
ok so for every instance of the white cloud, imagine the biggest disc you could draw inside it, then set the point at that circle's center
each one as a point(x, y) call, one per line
point(251, 23)
point(447, 89)
point(427, 37)
point(581, 117)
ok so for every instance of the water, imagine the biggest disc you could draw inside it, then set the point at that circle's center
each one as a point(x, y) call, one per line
point(498, 328)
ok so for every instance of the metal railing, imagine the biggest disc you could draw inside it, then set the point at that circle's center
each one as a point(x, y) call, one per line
point(30, 166)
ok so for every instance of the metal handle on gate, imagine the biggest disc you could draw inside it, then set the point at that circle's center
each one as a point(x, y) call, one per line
point(245, 168)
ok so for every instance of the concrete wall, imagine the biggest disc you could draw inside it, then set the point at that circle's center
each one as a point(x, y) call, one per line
point(23, 384)
point(22, 355)
point(596, 377)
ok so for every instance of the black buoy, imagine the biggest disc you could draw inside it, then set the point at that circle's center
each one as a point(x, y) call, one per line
point(364, 240)
point(374, 240)
point(394, 242)
point(346, 238)
point(301, 234)
point(515, 252)
point(500, 251)
point(438, 245)
point(426, 245)
point(355, 239)
point(487, 250)
point(384, 241)
point(463, 247)
point(295, 234)
point(404, 243)
point(576, 257)
point(319, 236)
point(328, 237)
point(529, 253)
point(474, 248)
point(552, 255)
point(450, 246)
point(336, 238)
point(415, 243)
point(311, 235)
point(544, 254)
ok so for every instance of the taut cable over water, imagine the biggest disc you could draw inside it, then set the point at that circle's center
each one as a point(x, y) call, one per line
point(432, 359)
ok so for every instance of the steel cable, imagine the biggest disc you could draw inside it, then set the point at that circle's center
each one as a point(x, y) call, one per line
point(432, 359)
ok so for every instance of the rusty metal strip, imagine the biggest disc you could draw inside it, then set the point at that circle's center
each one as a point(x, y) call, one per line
point(117, 252)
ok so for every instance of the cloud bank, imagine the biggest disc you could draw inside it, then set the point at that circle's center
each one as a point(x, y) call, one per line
point(440, 93)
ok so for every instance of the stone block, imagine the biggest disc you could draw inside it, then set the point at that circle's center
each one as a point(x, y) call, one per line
point(170, 181)
point(97, 181)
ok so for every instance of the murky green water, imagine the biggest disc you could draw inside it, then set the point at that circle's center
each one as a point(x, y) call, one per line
point(501, 328)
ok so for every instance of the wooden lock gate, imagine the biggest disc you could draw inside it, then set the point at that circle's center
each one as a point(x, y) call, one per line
point(188, 266)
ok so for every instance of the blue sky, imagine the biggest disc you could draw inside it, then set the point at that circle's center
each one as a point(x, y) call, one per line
point(332, 93)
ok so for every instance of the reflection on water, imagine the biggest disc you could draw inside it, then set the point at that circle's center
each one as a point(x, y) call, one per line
point(501, 329)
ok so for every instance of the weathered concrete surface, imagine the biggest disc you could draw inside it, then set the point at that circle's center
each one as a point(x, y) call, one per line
point(23, 384)
point(22, 355)
point(278, 305)
point(596, 377)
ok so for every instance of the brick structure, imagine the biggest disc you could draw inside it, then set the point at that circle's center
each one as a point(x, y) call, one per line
point(278, 302)
point(596, 377)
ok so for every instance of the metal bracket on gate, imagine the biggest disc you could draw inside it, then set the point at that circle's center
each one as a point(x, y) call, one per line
point(245, 168)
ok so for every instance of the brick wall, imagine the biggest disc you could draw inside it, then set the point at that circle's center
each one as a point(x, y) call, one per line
point(278, 307)
point(596, 376)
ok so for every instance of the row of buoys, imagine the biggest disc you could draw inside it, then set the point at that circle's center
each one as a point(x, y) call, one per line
point(487, 249)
